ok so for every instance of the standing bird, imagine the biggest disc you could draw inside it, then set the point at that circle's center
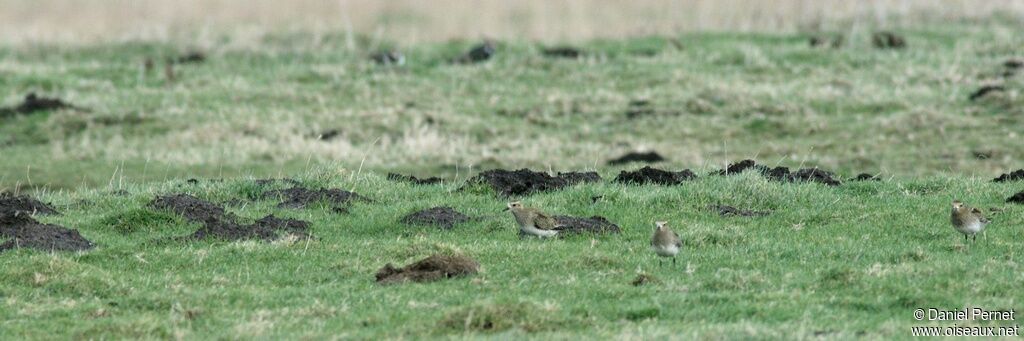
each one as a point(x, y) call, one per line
point(967, 220)
point(665, 242)
point(532, 221)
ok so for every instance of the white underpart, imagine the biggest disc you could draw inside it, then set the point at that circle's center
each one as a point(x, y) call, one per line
point(972, 228)
point(532, 230)
point(666, 251)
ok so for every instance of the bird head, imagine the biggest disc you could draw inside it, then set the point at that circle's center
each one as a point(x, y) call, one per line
point(660, 225)
point(515, 205)
point(957, 205)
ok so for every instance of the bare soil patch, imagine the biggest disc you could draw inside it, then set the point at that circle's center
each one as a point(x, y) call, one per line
point(647, 157)
point(648, 175)
point(595, 224)
point(865, 177)
point(562, 52)
point(525, 182)
point(433, 268)
point(191, 57)
point(1016, 198)
point(33, 103)
point(10, 203)
point(888, 40)
point(479, 53)
point(1011, 176)
point(442, 217)
point(18, 230)
point(218, 224)
point(300, 197)
point(985, 91)
point(413, 179)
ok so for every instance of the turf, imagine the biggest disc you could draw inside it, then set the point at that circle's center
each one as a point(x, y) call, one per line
point(846, 261)
point(256, 106)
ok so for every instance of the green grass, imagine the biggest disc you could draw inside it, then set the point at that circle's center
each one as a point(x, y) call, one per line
point(829, 262)
point(853, 260)
point(254, 107)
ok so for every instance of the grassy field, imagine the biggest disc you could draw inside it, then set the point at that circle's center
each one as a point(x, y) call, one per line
point(828, 262)
point(713, 98)
point(832, 262)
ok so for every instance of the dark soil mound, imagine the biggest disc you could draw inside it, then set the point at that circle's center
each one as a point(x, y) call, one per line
point(327, 135)
point(888, 40)
point(1016, 198)
point(562, 52)
point(33, 103)
point(520, 182)
point(21, 204)
point(479, 53)
point(822, 41)
point(217, 224)
point(1011, 176)
point(740, 167)
point(639, 108)
point(648, 157)
point(815, 175)
point(572, 178)
point(443, 217)
point(985, 91)
point(299, 197)
point(595, 224)
point(430, 269)
point(726, 210)
point(413, 179)
point(190, 207)
point(19, 230)
point(644, 279)
point(648, 175)
point(1013, 64)
point(865, 177)
point(193, 57)
point(391, 57)
point(267, 229)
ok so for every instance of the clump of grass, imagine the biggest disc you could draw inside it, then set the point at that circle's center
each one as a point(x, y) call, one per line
point(139, 220)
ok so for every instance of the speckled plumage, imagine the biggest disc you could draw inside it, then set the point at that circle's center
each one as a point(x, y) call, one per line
point(967, 220)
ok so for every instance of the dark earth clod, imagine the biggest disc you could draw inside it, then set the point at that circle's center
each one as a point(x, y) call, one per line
point(192, 57)
point(985, 91)
point(572, 178)
point(1016, 198)
point(595, 225)
point(10, 203)
point(741, 166)
point(477, 54)
point(1013, 64)
point(18, 230)
point(413, 179)
point(865, 177)
point(1011, 176)
point(442, 217)
point(220, 225)
point(726, 210)
point(638, 108)
point(834, 42)
point(562, 52)
point(300, 197)
point(433, 268)
point(517, 183)
point(648, 175)
point(327, 135)
point(647, 157)
point(888, 40)
point(644, 279)
point(33, 103)
point(815, 175)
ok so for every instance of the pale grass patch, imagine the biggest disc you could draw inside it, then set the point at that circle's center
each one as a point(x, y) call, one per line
point(257, 324)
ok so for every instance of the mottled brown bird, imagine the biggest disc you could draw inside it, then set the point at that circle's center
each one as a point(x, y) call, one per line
point(532, 221)
point(665, 242)
point(967, 220)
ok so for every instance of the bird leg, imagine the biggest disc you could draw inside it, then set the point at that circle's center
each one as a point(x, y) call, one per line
point(673, 262)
